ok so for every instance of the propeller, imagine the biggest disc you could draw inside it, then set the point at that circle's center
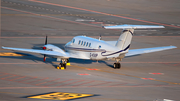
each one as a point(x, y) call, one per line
point(46, 40)
point(45, 48)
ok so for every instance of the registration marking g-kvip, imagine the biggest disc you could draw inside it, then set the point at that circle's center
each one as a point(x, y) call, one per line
point(60, 96)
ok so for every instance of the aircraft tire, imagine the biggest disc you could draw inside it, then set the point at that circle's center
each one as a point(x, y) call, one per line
point(64, 65)
point(117, 65)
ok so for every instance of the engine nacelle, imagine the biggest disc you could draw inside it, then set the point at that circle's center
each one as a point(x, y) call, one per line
point(50, 47)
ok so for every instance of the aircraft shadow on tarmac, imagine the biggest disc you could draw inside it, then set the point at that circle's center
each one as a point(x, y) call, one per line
point(50, 60)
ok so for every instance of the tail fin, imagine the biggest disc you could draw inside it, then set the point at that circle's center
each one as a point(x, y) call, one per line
point(124, 41)
point(125, 38)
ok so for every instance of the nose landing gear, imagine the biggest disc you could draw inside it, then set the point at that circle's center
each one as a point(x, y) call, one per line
point(62, 65)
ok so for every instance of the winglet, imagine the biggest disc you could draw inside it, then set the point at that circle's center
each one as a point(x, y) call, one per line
point(125, 26)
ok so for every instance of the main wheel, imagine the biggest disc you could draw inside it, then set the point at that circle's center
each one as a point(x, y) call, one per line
point(117, 65)
point(114, 65)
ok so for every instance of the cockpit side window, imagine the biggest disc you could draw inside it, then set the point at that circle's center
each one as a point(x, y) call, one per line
point(73, 40)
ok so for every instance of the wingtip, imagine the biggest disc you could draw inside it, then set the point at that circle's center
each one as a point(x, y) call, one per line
point(173, 46)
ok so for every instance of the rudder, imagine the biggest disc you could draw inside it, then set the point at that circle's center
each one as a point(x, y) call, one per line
point(124, 41)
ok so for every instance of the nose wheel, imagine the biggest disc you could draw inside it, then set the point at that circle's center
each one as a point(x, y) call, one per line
point(61, 66)
point(117, 65)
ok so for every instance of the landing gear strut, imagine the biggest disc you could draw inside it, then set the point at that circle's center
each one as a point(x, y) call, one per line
point(117, 65)
point(62, 65)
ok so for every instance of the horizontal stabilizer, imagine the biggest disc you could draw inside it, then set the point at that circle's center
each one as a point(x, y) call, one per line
point(134, 52)
point(132, 26)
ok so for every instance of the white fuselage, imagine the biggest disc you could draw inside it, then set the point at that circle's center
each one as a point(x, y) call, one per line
point(91, 48)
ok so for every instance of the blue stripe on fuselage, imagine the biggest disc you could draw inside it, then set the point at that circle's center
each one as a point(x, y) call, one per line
point(97, 50)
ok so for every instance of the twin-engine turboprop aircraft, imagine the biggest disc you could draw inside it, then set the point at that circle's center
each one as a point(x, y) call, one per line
point(83, 47)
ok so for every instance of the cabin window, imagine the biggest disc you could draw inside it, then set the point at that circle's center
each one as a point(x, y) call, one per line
point(86, 44)
point(99, 46)
point(82, 43)
point(79, 42)
point(89, 44)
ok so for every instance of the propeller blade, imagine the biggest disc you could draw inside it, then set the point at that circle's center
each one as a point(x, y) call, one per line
point(46, 40)
point(44, 57)
point(45, 48)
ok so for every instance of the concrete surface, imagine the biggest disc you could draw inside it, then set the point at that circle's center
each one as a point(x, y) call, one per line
point(148, 77)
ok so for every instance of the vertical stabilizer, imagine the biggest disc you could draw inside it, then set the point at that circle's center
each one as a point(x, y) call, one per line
point(125, 38)
point(124, 41)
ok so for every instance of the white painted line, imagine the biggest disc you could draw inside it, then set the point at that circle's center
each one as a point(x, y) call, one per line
point(167, 100)
point(84, 20)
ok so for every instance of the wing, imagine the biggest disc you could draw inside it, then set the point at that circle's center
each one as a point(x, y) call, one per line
point(39, 51)
point(47, 52)
point(134, 52)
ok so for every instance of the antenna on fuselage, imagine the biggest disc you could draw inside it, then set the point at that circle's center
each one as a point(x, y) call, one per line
point(100, 37)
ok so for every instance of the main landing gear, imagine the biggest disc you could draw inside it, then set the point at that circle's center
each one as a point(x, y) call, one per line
point(63, 64)
point(117, 65)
